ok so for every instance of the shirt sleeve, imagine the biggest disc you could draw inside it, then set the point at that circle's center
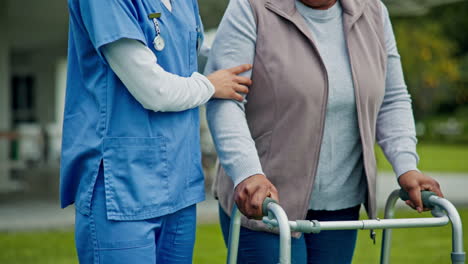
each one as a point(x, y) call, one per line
point(157, 90)
point(234, 45)
point(109, 20)
point(396, 132)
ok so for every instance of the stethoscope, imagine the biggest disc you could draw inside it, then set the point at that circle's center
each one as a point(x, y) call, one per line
point(159, 42)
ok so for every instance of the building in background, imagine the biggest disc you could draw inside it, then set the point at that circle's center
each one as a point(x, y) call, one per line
point(33, 50)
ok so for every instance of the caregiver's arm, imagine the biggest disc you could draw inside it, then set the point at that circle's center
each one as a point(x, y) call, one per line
point(235, 44)
point(158, 90)
point(396, 133)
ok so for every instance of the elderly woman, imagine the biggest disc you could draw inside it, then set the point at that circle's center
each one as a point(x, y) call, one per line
point(327, 83)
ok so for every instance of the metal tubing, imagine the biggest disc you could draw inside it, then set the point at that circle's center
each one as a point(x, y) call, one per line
point(366, 224)
point(385, 223)
point(458, 255)
point(233, 242)
point(387, 233)
point(285, 232)
point(285, 227)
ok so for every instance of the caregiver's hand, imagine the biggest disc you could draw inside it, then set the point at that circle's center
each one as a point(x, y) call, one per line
point(228, 84)
point(250, 194)
point(414, 182)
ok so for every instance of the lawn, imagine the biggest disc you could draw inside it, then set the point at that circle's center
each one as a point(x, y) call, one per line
point(435, 158)
point(429, 245)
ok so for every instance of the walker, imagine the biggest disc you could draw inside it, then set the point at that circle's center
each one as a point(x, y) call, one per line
point(275, 217)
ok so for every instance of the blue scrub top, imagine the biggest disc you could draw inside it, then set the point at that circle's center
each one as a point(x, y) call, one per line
point(152, 160)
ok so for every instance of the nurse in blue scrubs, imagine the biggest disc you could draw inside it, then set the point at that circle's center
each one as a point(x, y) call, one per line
point(131, 160)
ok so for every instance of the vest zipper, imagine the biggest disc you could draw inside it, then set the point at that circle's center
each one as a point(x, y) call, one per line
point(325, 99)
point(361, 134)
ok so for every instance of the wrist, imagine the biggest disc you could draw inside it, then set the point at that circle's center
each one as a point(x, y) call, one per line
point(404, 163)
point(210, 89)
point(249, 177)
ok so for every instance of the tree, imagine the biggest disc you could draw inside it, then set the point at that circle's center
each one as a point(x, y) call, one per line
point(430, 68)
point(414, 7)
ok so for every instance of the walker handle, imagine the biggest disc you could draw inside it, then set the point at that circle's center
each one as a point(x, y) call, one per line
point(424, 196)
point(265, 205)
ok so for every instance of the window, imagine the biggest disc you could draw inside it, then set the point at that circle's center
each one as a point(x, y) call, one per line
point(23, 104)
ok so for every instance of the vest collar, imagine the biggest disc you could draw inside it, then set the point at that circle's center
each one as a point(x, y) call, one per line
point(353, 8)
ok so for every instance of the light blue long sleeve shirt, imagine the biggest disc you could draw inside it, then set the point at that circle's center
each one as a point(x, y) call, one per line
point(340, 181)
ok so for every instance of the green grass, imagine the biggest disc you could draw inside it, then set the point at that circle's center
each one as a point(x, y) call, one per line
point(435, 158)
point(428, 245)
point(209, 247)
point(37, 247)
point(419, 245)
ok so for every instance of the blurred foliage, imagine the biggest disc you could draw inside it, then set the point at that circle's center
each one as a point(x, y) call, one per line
point(447, 127)
point(414, 7)
point(450, 158)
point(212, 11)
point(434, 51)
point(454, 21)
point(429, 64)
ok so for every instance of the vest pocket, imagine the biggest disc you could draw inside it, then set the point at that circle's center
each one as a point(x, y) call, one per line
point(135, 175)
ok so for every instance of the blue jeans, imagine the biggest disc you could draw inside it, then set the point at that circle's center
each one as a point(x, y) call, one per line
point(327, 247)
point(167, 239)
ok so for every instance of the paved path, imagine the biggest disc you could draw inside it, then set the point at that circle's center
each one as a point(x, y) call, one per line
point(43, 215)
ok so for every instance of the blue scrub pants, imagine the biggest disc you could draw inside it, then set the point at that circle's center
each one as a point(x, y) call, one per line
point(327, 247)
point(168, 239)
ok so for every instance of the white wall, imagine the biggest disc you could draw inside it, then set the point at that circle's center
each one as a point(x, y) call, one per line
point(60, 87)
point(55, 128)
point(4, 93)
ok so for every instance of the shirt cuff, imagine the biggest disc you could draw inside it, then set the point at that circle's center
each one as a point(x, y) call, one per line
point(206, 82)
point(243, 170)
point(405, 162)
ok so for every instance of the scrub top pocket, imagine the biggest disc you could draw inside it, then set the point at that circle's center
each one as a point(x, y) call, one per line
point(193, 41)
point(135, 176)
